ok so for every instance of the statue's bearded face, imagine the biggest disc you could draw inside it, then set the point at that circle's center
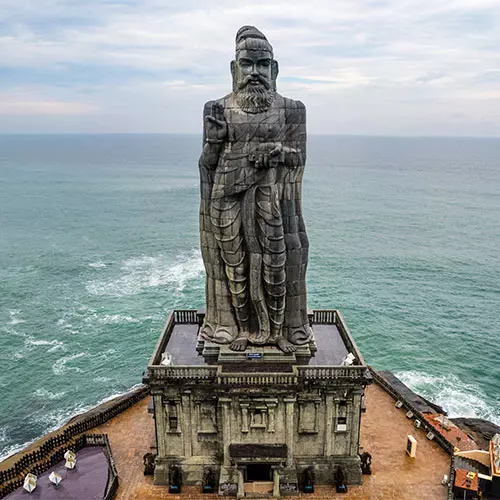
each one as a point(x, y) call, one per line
point(253, 79)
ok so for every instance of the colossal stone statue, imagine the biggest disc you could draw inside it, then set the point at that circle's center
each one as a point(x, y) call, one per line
point(253, 238)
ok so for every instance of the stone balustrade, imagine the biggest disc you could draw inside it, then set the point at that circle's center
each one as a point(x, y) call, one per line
point(300, 374)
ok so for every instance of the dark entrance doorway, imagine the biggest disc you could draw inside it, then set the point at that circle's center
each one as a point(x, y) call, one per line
point(258, 472)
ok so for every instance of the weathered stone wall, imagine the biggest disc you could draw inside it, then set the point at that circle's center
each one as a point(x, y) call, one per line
point(195, 428)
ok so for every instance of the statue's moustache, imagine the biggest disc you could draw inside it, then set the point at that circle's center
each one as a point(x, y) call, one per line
point(252, 78)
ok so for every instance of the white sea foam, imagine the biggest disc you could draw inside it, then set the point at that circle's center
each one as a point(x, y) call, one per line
point(456, 397)
point(145, 272)
point(111, 319)
point(104, 356)
point(46, 394)
point(30, 343)
point(14, 320)
point(97, 265)
point(60, 367)
point(3, 434)
point(11, 450)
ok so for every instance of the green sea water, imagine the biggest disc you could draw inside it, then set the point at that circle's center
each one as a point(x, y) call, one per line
point(99, 241)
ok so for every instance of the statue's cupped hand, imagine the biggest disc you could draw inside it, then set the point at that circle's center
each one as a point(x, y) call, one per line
point(216, 125)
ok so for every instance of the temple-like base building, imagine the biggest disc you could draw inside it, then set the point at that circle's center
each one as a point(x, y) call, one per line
point(287, 421)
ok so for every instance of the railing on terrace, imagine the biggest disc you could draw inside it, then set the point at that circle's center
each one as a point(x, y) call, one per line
point(257, 379)
point(300, 374)
point(192, 316)
point(183, 372)
point(185, 316)
point(307, 373)
point(324, 317)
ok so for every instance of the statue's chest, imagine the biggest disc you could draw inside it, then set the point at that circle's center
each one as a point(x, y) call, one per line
point(259, 127)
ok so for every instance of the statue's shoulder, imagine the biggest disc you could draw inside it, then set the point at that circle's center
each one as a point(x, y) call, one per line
point(223, 101)
point(294, 105)
point(295, 111)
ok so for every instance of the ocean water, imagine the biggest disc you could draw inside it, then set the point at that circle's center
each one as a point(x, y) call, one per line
point(99, 241)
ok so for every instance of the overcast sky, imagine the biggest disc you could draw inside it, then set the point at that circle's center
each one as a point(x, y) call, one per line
point(396, 67)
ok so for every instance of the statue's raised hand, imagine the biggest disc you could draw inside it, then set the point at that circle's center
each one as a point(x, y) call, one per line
point(216, 125)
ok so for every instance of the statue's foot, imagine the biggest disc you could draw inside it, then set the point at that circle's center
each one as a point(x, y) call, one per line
point(224, 334)
point(240, 344)
point(300, 336)
point(206, 331)
point(285, 345)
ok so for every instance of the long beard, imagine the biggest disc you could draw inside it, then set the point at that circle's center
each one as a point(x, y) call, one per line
point(254, 99)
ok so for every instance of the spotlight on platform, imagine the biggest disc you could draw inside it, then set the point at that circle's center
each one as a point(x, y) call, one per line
point(70, 458)
point(175, 480)
point(166, 359)
point(29, 482)
point(55, 478)
point(348, 360)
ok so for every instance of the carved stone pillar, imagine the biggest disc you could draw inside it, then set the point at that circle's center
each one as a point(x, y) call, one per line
point(276, 482)
point(244, 417)
point(271, 421)
point(226, 429)
point(289, 411)
point(160, 425)
point(187, 422)
point(355, 417)
point(328, 446)
point(241, 484)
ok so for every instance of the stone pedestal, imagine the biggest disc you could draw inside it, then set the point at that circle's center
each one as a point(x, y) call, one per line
point(259, 415)
point(161, 475)
point(221, 354)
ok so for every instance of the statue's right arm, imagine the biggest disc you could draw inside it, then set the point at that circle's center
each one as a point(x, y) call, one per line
point(211, 149)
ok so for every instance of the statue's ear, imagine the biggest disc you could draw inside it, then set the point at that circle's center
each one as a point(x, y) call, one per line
point(233, 73)
point(274, 72)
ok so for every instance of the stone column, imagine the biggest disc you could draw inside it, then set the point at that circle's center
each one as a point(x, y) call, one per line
point(187, 422)
point(241, 484)
point(160, 425)
point(276, 483)
point(226, 429)
point(329, 414)
point(244, 417)
point(161, 464)
point(354, 410)
point(271, 421)
point(289, 430)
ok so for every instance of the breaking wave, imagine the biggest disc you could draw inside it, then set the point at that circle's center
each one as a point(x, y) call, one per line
point(31, 343)
point(14, 320)
point(97, 265)
point(45, 394)
point(112, 319)
point(141, 273)
point(60, 367)
point(456, 397)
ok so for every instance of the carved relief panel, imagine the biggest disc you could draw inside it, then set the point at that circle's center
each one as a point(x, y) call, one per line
point(172, 409)
point(258, 415)
point(309, 411)
point(207, 417)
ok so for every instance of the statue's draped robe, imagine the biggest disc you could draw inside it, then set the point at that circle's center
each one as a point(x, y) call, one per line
point(231, 184)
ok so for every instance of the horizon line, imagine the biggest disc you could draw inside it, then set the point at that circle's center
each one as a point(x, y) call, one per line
point(14, 134)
